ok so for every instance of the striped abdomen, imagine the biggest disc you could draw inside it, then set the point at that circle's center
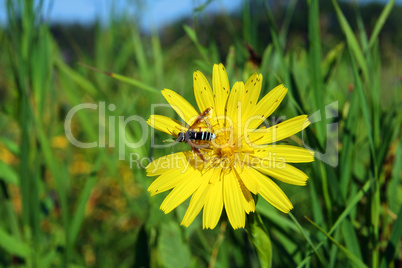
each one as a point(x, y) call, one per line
point(199, 135)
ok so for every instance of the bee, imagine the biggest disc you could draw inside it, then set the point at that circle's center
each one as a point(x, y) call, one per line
point(198, 139)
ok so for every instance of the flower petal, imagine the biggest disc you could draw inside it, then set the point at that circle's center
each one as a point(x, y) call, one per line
point(168, 162)
point(202, 92)
point(182, 107)
point(248, 201)
point(197, 200)
point(248, 179)
point(233, 200)
point(277, 132)
point(183, 190)
point(166, 124)
point(283, 172)
point(285, 153)
point(252, 90)
point(271, 192)
point(233, 108)
point(266, 106)
point(167, 181)
point(221, 88)
point(213, 206)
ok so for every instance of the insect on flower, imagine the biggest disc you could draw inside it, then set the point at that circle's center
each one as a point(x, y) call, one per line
point(198, 139)
point(241, 158)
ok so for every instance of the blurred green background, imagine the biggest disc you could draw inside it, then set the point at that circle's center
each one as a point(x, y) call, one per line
point(61, 205)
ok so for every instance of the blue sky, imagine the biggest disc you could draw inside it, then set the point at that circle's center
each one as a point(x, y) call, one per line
point(156, 12)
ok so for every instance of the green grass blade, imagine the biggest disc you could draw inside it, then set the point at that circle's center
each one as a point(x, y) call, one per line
point(350, 237)
point(348, 144)
point(12, 245)
point(158, 59)
point(315, 65)
point(135, 83)
point(304, 234)
point(59, 175)
point(352, 203)
point(355, 260)
point(79, 213)
point(202, 50)
point(294, 96)
point(78, 78)
point(352, 41)
point(380, 23)
point(393, 241)
point(8, 175)
point(140, 53)
point(365, 113)
point(126, 79)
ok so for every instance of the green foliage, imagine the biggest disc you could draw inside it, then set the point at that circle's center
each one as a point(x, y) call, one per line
point(61, 205)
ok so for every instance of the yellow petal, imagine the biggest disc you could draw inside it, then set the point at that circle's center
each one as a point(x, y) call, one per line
point(165, 163)
point(197, 201)
point(221, 88)
point(265, 107)
point(233, 200)
point(166, 124)
point(283, 172)
point(203, 94)
point(167, 181)
point(233, 108)
point(285, 153)
point(277, 132)
point(272, 193)
point(252, 90)
point(248, 201)
point(183, 190)
point(248, 179)
point(213, 205)
point(182, 107)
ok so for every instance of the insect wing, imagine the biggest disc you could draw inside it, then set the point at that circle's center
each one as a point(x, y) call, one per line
point(202, 121)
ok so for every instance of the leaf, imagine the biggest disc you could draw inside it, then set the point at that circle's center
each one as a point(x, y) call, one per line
point(173, 252)
point(79, 214)
point(259, 237)
point(352, 41)
point(356, 261)
point(395, 236)
point(380, 22)
point(8, 175)
point(351, 204)
point(193, 36)
point(142, 252)
point(13, 245)
point(77, 77)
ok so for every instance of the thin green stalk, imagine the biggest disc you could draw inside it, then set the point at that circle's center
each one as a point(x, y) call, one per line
point(342, 216)
point(315, 66)
point(281, 57)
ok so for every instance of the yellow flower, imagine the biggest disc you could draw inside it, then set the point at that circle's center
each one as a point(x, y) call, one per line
point(238, 159)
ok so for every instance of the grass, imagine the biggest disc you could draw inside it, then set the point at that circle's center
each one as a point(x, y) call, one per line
point(66, 206)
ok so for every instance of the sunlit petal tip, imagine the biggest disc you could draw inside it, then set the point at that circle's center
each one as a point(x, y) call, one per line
point(306, 123)
point(182, 107)
point(185, 224)
point(288, 209)
point(282, 88)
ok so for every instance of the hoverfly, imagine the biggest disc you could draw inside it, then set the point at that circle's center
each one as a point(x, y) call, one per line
point(197, 139)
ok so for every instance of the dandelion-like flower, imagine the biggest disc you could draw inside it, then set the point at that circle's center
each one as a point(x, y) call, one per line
point(236, 160)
